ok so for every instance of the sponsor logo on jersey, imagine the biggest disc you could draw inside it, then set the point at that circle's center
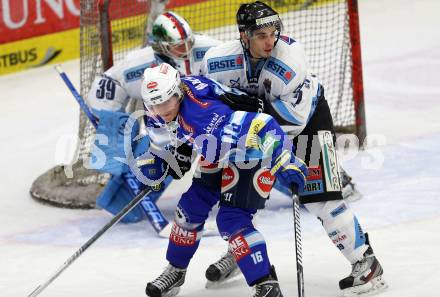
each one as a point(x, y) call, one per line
point(188, 128)
point(287, 39)
point(315, 173)
point(239, 247)
point(199, 53)
point(280, 70)
point(232, 62)
point(136, 73)
point(252, 139)
point(313, 187)
point(337, 211)
point(216, 120)
point(182, 237)
point(263, 182)
point(193, 98)
point(269, 143)
point(229, 178)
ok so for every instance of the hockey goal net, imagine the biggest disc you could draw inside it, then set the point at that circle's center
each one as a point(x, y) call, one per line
point(109, 29)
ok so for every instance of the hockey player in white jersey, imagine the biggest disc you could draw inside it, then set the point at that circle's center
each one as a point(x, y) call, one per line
point(274, 67)
point(172, 42)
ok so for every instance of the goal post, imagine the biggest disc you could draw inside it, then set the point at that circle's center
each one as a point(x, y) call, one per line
point(109, 29)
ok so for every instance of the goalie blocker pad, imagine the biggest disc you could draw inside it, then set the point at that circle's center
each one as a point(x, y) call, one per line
point(316, 146)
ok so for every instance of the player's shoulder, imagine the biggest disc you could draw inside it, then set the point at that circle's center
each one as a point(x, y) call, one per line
point(225, 49)
point(289, 51)
point(288, 59)
point(131, 68)
point(205, 40)
point(202, 43)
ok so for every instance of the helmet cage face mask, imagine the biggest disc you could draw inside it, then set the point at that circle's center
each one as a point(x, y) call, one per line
point(172, 36)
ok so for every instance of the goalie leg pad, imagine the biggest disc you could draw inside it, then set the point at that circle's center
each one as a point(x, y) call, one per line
point(246, 244)
point(115, 196)
point(342, 227)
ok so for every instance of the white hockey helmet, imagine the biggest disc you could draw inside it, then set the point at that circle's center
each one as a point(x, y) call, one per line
point(159, 84)
point(172, 36)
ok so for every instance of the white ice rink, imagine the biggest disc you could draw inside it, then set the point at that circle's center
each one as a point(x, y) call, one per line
point(399, 177)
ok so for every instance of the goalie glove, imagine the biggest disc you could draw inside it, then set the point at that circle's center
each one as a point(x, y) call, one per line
point(243, 102)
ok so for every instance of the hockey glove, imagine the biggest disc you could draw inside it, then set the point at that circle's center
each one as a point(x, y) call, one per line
point(243, 102)
point(183, 156)
point(294, 175)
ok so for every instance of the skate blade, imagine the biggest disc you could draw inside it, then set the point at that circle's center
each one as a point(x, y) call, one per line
point(351, 194)
point(373, 287)
point(171, 293)
point(220, 283)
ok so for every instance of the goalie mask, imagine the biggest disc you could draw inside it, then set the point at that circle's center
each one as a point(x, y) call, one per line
point(172, 36)
point(161, 92)
point(255, 16)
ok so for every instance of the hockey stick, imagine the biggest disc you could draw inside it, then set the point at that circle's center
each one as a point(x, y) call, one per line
point(89, 242)
point(298, 246)
point(156, 218)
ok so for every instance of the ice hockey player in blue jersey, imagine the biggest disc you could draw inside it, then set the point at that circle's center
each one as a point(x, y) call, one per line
point(274, 67)
point(172, 41)
point(250, 148)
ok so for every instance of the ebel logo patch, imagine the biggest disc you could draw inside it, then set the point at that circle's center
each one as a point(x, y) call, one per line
point(287, 39)
point(232, 62)
point(136, 73)
point(280, 70)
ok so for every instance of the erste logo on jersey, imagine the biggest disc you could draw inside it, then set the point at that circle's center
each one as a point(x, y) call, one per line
point(136, 73)
point(232, 62)
point(280, 70)
point(199, 53)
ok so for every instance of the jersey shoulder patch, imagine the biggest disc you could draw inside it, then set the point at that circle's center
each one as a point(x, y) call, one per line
point(280, 70)
point(287, 39)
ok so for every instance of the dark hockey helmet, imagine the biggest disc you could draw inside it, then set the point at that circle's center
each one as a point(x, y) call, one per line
point(257, 15)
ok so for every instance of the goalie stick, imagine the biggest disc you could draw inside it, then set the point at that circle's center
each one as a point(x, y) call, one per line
point(89, 242)
point(153, 213)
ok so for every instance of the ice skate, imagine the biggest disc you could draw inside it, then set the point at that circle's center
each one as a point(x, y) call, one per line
point(268, 286)
point(366, 277)
point(222, 271)
point(168, 283)
point(350, 192)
